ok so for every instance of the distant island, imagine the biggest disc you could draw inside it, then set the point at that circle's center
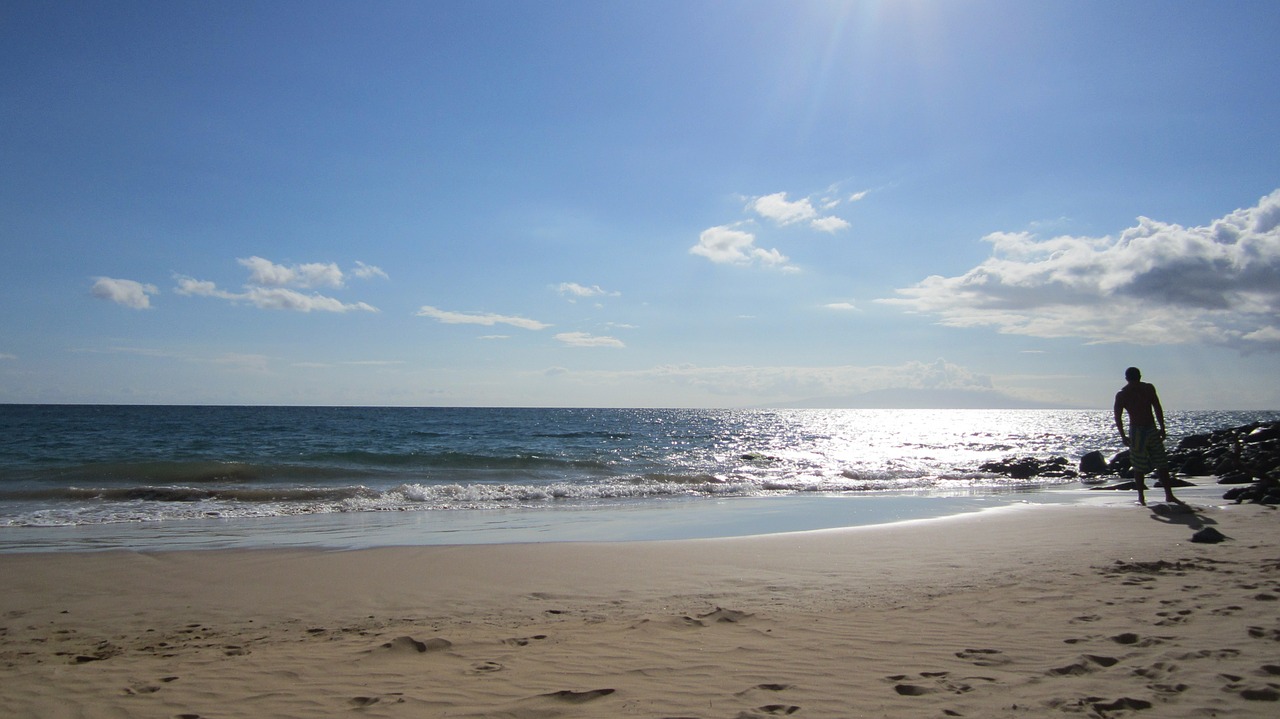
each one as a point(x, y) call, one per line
point(922, 399)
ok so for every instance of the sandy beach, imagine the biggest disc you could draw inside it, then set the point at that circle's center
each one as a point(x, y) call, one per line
point(1074, 610)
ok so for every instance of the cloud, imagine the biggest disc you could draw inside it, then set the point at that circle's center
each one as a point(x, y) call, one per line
point(269, 287)
point(728, 246)
point(779, 209)
point(268, 274)
point(488, 320)
point(776, 207)
point(576, 290)
point(1152, 284)
point(271, 298)
point(582, 339)
point(830, 224)
point(124, 292)
point(7, 356)
point(368, 272)
point(842, 306)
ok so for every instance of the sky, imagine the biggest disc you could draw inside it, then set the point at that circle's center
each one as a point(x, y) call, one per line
point(753, 203)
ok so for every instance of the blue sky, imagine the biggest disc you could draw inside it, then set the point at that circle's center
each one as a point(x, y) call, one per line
point(639, 204)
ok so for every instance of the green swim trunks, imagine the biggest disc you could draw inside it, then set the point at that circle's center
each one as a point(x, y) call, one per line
point(1146, 449)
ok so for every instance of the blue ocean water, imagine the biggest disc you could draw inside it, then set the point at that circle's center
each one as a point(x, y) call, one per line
point(84, 466)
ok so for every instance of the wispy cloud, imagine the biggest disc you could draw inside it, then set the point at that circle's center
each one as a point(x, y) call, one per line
point(583, 339)
point(368, 272)
point(575, 290)
point(7, 356)
point(478, 318)
point(128, 293)
point(842, 306)
point(269, 287)
point(1153, 284)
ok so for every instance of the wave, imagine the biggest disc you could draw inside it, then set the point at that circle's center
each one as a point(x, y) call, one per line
point(143, 503)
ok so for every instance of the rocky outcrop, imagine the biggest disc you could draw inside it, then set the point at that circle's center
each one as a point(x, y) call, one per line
point(1247, 456)
point(1028, 467)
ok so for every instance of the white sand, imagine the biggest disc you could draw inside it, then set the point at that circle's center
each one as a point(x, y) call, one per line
point(1095, 611)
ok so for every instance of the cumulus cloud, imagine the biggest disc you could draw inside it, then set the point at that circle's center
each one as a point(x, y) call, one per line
point(574, 289)
point(478, 318)
point(266, 273)
point(124, 292)
point(729, 246)
point(582, 339)
point(778, 208)
point(830, 224)
point(1154, 283)
point(269, 286)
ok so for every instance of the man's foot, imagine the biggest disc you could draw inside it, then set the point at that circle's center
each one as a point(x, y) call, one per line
point(1172, 499)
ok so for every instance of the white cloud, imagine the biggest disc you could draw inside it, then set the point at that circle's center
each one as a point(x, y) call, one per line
point(268, 287)
point(582, 339)
point(1154, 284)
point(368, 272)
point(842, 306)
point(266, 273)
point(8, 356)
point(776, 207)
point(475, 318)
point(830, 224)
point(124, 292)
point(577, 290)
point(726, 245)
point(279, 298)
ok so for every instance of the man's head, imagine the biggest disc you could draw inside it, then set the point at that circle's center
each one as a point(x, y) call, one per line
point(1133, 374)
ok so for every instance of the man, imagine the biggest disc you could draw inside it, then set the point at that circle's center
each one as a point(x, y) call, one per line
point(1145, 439)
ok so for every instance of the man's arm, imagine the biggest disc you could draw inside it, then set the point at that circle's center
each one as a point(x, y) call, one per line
point(1119, 413)
point(1155, 405)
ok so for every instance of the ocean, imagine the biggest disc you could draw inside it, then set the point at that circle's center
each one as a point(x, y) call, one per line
point(191, 477)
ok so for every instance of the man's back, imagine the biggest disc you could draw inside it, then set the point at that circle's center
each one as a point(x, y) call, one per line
point(1139, 400)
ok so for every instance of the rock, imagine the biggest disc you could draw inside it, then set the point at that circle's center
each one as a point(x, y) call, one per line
point(1208, 535)
point(1093, 463)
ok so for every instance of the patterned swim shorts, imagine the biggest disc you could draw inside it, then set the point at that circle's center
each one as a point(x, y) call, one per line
point(1146, 450)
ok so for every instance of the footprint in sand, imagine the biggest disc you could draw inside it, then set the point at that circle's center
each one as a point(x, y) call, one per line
point(572, 697)
point(940, 682)
point(720, 614)
point(485, 668)
point(524, 641)
point(984, 657)
point(410, 645)
point(1085, 664)
point(766, 687)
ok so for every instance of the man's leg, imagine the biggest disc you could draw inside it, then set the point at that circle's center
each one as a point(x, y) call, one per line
point(1166, 481)
point(1141, 487)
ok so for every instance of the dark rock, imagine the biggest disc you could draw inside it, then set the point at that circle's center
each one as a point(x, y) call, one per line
point(1208, 535)
point(1093, 463)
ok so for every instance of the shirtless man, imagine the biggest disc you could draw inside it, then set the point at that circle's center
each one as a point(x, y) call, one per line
point(1145, 440)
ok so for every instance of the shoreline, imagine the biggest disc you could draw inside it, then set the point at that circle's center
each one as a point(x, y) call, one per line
point(1097, 608)
point(666, 519)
